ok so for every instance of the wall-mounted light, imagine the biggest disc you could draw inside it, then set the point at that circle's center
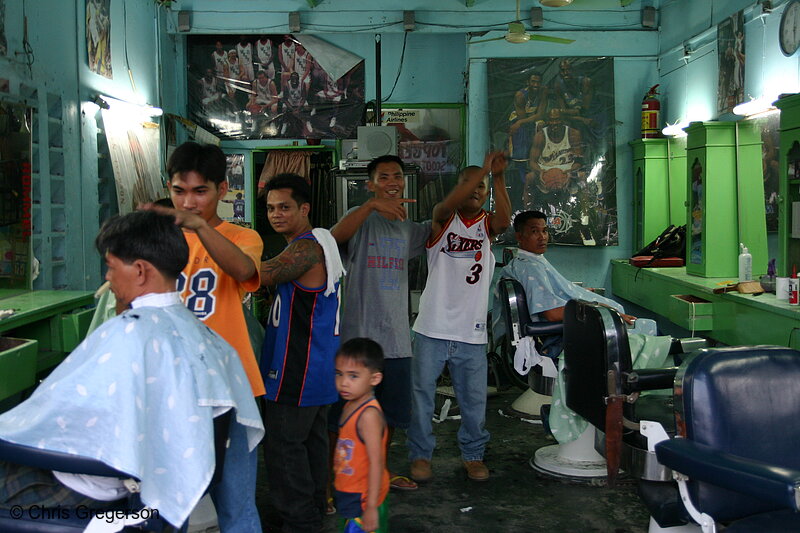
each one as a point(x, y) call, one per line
point(100, 102)
point(756, 106)
point(676, 130)
point(121, 106)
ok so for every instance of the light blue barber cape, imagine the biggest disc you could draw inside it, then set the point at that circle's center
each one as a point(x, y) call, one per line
point(140, 394)
point(545, 289)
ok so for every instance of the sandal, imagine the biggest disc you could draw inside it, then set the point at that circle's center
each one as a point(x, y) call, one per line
point(402, 483)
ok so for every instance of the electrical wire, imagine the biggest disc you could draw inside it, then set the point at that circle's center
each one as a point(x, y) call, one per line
point(399, 68)
point(27, 49)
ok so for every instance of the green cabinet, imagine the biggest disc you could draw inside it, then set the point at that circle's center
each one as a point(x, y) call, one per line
point(659, 187)
point(725, 192)
point(789, 188)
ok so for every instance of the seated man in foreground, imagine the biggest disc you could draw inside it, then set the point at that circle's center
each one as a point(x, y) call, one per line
point(547, 292)
point(139, 394)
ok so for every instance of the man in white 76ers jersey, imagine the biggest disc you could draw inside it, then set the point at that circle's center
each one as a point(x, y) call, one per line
point(451, 325)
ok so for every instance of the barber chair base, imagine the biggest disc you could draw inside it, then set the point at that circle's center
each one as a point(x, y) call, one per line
point(529, 405)
point(576, 460)
point(687, 528)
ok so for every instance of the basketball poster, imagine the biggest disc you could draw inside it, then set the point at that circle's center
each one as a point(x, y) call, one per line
point(274, 86)
point(555, 119)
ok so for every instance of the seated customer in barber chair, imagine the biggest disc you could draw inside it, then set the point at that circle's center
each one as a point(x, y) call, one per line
point(547, 292)
point(139, 394)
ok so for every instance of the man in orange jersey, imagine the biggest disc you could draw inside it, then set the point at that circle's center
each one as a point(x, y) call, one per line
point(224, 261)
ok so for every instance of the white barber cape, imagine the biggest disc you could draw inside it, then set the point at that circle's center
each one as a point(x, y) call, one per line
point(140, 394)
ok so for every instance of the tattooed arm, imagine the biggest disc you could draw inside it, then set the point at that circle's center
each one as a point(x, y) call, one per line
point(302, 260)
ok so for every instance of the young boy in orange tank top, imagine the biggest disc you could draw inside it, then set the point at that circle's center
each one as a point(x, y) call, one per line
point(362, 480)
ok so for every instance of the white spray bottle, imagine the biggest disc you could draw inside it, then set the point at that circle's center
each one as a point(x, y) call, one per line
point(745, 264)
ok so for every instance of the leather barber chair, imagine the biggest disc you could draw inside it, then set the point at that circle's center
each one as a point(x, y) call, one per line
point(736, 455)
point(602, 386)
point(575, 460)
point(519, 325)
point(75, 521)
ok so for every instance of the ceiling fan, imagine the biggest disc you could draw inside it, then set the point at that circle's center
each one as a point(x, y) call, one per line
point(516, 34)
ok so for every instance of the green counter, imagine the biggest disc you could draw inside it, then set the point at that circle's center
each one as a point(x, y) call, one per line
point(689, 301)
point(49, 324)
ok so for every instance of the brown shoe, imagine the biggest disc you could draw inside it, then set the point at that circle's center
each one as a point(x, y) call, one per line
point(476, 470)
point(421, 470)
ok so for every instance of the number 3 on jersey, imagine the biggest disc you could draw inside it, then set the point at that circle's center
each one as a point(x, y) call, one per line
point(476, 274)
point(200, 300)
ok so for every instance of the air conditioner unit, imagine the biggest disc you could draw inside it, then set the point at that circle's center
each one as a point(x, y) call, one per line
point(375, 141)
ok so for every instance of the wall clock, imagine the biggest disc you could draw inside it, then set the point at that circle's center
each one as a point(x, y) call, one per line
point(789, 32)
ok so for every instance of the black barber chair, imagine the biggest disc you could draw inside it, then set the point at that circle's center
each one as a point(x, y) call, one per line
point(576, 460)
point(518, 323)
point(603, 387)
point(737, 451)
point(73, 464)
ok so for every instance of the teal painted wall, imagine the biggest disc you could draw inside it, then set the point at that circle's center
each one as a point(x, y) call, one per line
point(439, 66)
point(66, 195)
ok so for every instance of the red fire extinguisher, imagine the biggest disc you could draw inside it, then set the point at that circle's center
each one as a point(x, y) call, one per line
point(651, 110)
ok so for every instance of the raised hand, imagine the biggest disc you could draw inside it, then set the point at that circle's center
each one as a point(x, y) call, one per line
point(391, 207)
point(184, 219)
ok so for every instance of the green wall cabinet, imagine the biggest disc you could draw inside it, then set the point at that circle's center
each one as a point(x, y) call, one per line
point(725, 192)
point(659, 187)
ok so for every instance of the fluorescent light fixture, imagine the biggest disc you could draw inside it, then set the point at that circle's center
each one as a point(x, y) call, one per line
point(756, 106)
point(676, 130)
point(555, 3)
point(108, 102)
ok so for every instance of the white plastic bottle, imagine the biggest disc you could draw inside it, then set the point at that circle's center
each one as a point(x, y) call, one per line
point(745, 264)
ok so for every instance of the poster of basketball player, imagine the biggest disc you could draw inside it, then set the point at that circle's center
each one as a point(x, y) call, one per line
point(555, 118)
point(98, 32)
point(232, 206)
point(274, 86)
point(730, 51)
point(770, 158)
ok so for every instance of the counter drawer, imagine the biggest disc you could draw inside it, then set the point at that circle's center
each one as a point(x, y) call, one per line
point(17, 365)
point(691, 312)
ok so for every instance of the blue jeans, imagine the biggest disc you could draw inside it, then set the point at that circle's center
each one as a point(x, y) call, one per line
point(468, 371)
point(234, 496)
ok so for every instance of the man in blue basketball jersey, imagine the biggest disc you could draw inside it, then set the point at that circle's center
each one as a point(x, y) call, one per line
point(297, 361)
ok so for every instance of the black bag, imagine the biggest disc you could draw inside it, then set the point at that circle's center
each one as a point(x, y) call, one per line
point(671, 243)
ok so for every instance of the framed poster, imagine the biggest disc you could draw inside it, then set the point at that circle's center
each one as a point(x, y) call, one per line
point(730, 52)
point(555, 118)
point(98, 36)
point(274, 86)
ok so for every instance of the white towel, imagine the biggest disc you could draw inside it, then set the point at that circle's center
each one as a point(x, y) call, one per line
point(526, 357)
point(333, 262)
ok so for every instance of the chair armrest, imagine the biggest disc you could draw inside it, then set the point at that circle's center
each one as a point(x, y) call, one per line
point(50, 460)
point(650, 379)
point(539, 329)
point(755, 478)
